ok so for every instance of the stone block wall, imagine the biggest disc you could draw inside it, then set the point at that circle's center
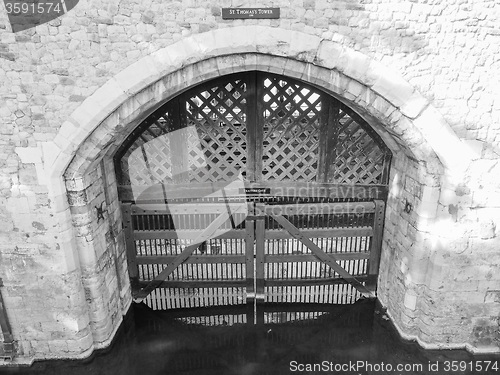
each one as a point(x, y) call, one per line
point(64, 271)
point(98, 233)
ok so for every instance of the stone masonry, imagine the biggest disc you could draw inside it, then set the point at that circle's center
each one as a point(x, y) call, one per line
point(423, 73)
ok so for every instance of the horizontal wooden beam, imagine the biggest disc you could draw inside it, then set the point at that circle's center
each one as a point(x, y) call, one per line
point(310, 282)
point(319, 208)
point(196, 284)
point(278, 234)
point(271, 234)
point(187, 234)
point(188, 208)
point(243, 282)
point(159, 192)
point(322, 208)
point(313, 258)
point(193, 259)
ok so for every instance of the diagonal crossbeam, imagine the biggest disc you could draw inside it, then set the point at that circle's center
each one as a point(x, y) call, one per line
point(205, 235)
point(328, 259)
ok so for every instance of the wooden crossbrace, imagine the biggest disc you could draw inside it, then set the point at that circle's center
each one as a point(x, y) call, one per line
point(205, 235)
point(328, 259)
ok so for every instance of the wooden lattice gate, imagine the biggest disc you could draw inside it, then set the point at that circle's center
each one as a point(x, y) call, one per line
point(253, 186)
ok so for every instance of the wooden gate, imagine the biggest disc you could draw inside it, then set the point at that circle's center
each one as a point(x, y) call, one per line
point(317, 252)
point(301, 252)
point(253, 186)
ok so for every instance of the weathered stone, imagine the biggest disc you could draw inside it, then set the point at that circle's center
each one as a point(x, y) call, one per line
point(81, 83)
point(77, 198)
point(487, 229)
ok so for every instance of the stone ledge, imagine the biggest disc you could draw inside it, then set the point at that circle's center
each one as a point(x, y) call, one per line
point(439, 346)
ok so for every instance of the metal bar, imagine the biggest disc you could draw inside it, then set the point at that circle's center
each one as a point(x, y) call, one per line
point(206, 234)
point(330, 260)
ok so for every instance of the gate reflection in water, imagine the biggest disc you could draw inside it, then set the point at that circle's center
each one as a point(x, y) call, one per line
point(216, 340)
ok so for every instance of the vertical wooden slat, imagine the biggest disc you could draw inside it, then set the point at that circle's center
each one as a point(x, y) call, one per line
point(387, 166)
point(323, 139)
point(249, 255)
point(179, 150)
point(376, 245)
point(251, 126)
point(259, 125)
point(259, 255)
point(129, 242)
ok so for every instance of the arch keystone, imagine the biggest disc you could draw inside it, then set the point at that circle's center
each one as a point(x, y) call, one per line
point(303, 46)
point(277, 43)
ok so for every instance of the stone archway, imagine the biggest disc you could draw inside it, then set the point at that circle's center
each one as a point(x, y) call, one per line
point(424, 148)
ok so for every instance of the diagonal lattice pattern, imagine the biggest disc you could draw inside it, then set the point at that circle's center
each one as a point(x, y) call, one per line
point(288, 123)
point(291, 130)
point(358, 159)
point(147, 161)
point(219, 114)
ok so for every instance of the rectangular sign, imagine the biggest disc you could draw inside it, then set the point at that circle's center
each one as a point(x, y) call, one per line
point(253, 191)
point(239, 13)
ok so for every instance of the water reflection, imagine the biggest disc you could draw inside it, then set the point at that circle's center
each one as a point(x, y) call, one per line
point(273, 339)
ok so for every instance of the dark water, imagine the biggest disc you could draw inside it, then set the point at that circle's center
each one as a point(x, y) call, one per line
point(274, 339)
